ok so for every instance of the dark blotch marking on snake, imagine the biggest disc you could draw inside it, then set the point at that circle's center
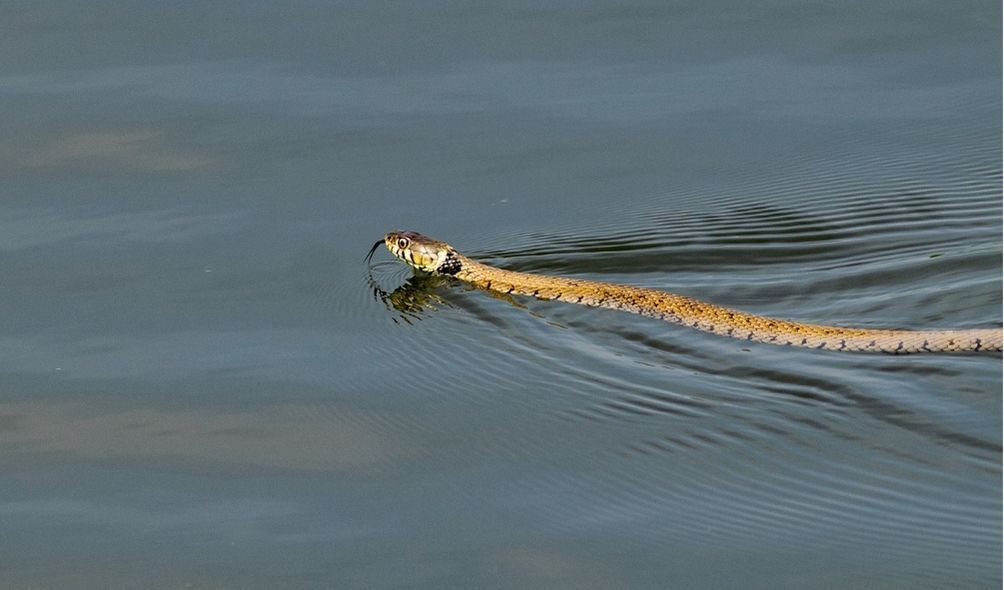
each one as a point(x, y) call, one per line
point(451, 265)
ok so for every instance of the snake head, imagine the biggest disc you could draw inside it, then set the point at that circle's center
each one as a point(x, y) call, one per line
point(422, 252)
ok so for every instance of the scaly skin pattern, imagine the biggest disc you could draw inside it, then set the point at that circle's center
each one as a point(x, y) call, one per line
point(440, 258)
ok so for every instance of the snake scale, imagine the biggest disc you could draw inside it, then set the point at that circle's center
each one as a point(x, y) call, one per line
point(436, 257)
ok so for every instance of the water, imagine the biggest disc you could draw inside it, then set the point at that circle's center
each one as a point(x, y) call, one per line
point(198, 387)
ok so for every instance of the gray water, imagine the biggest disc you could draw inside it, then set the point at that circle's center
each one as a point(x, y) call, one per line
point(200, 387)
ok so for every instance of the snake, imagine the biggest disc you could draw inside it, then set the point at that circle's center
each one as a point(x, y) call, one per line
point(436, 257)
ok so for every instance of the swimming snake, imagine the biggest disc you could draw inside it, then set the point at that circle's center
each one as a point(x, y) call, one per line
point(439, 258)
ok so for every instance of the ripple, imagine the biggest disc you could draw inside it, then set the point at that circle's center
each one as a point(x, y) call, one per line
point(710, 496)
point(687, 438)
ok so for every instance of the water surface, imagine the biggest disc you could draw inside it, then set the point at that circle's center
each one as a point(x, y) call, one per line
point(198, 387)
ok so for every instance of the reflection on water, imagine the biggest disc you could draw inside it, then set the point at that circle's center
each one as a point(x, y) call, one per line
point(416, 295)
point(294, 437)
point(202, 385)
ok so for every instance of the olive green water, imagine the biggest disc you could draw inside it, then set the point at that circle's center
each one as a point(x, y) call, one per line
point(198, 387)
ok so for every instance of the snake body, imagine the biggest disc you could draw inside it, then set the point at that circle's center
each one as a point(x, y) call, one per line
point(436, 257)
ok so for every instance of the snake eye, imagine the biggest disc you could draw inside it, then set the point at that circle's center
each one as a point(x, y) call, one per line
point(402, 243)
